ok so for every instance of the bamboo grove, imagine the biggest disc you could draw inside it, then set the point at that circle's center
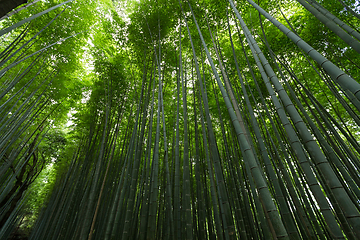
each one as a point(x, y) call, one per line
point(191, 119)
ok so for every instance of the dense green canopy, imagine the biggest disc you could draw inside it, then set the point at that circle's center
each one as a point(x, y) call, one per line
point(180, 119)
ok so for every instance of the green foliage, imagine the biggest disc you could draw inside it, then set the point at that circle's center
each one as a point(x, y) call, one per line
point(110, 154)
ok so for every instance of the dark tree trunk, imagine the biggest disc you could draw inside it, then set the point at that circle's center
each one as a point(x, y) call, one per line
point(8, 5)
point(27, 175)
point(13, 205)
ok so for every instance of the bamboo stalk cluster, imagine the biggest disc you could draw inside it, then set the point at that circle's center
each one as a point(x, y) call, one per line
point(235, 145)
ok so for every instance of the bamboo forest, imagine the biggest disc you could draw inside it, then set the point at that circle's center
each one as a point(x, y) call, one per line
point(179, 119)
